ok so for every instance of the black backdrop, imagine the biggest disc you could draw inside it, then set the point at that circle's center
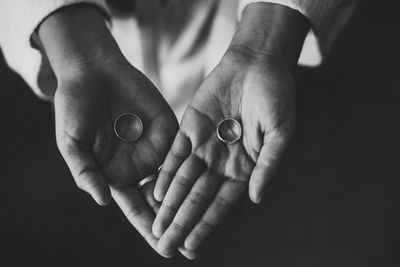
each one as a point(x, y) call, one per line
point(336, 202)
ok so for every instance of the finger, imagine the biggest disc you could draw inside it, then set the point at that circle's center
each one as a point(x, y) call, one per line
point(189, 213)
point(189, 254)
point(136, 211)
point(180, 186)
point(228, 195)
point(180, 150)
point(86, 173)
point(266, 168)
point(147, 192)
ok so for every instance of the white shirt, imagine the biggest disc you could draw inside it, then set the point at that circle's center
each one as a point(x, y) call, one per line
point(176, 58)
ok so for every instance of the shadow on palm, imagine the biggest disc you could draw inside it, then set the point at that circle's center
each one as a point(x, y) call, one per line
point(101, 163)
point(202, 177)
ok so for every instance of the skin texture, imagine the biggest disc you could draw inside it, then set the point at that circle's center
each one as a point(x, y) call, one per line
point(95, 85)
point(202, 178)
point(205, 177)
point(101, 164)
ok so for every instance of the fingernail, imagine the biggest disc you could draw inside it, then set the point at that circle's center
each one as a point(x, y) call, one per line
point(260, 197)
point(97, 201)
point(156, 228)
point(157, 195)
point(164, 251)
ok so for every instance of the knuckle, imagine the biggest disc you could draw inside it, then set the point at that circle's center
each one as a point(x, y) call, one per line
point(182, 180)
point(263, 164)
point(79, 184)
point(223, 202)
point(65, 146)
point(197, 198)
point(135, 211)
point(179, 227)
point(87, 183)
point(177, 154)
point(83, 178)
point(283, 133)
point(200, 234)
point(155, 207)
point(65, 142)
point(168, 208)
point(207, 224)
point(281, 137)
point(165, 174)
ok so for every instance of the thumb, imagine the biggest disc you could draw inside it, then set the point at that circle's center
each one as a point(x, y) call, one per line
point(266, 168)
point(85, 171)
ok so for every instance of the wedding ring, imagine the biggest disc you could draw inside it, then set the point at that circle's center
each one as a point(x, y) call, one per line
point(128, 127)
point(149, 178)
point(159, 169)
point(146, 180)
point(229, 131)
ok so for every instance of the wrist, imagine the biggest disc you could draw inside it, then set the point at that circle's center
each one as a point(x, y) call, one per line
point(271, 31)
point(75, 38)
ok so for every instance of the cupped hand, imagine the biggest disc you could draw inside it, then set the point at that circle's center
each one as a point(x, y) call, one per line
point(203, 178)
point(87, 102)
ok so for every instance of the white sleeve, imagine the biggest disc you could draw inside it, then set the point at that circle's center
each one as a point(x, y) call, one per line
point(18, 21)
point(327, 18)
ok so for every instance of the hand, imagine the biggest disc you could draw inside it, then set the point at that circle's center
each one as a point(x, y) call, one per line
point(85, 110)
point(94, 87)
point(203, 178)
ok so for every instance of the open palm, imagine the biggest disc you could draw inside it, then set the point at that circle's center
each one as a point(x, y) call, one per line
point(203, 178)
point(86, 107)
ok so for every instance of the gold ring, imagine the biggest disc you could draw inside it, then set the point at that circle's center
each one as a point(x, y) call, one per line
point(146, 180)
point(128, 127)
point(149, 178)
point(229, 131)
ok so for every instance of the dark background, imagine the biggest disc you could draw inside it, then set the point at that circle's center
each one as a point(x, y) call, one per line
point(336, 202)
